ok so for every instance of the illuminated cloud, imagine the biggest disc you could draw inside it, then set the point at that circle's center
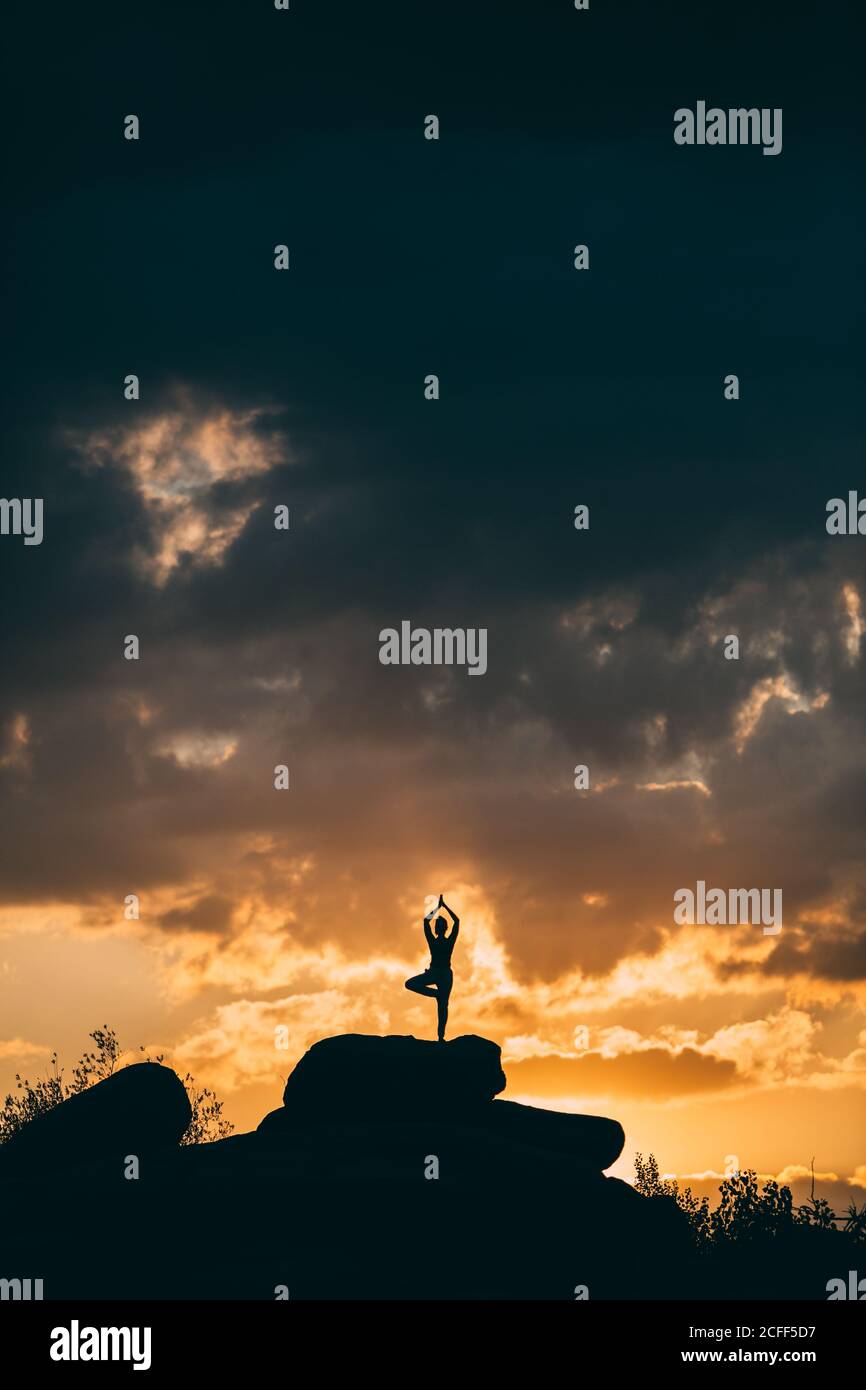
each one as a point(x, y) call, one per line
point(856, 624)
point(768, 1050)
point(765, 1052)
point(240, 1046)
point(794, 1172)
point(19, 1050)
point(197, 750)
point(610, 611)
point(16, 742)
point(779, 687)
point(176, 463)
point(678, 784)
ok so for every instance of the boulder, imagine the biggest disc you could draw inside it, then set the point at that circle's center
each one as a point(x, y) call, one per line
point(138, 1110)
point(590, 1140)
point(356, 1076)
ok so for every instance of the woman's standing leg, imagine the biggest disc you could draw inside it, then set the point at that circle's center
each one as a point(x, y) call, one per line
point(443, 993)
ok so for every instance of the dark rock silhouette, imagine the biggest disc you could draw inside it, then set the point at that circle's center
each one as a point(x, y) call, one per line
point(357, 1078)
point(589, 1140)
point(355, 1189)
point(393, 1078)
point(137, 1110)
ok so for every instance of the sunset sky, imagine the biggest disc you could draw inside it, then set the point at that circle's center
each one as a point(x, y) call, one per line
point(260, 647)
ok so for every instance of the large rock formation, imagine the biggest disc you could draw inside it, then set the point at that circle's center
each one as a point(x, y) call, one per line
point(390, 1172)
point(395, 1078)
point(356, 1080)
point(138, 1110)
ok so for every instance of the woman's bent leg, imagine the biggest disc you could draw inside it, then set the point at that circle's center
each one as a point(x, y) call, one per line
point(420, 984)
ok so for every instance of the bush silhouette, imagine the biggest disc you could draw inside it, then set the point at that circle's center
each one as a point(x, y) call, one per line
point(746, 1216)
point(35, 1098)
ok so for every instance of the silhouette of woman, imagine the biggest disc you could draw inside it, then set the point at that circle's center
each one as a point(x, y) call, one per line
point(437, 979)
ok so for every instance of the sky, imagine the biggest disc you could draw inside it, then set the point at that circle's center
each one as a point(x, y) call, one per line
point(715, 1046)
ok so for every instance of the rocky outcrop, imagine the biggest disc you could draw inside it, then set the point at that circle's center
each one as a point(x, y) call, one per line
point(357, 1084)
point(139, 1110)
point(356, 1076)
point(391, 1171)
point(589, 1140)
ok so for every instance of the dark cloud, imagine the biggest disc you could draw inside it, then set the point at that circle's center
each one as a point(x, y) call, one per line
point(706, 518)
point(210, 913)
point(390, 766)
point(816, 953)
point(652, 1074)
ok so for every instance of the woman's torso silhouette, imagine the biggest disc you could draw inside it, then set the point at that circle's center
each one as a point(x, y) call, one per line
point(440, 952)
